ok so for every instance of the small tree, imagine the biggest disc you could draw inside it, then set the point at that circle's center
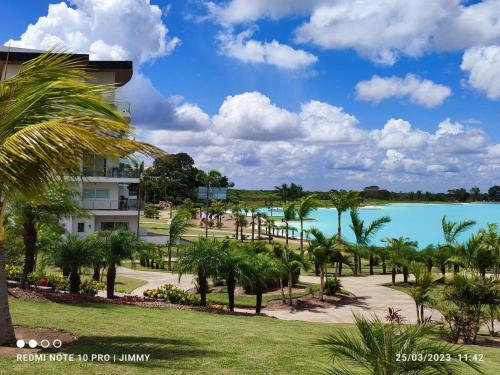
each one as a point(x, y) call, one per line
point(202, 258)
point(71, 254)
point(178, 226)
point(420, 292)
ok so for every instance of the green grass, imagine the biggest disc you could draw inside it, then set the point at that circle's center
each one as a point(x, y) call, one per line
point(248, 301)
point(127, 284)
point(182, 342)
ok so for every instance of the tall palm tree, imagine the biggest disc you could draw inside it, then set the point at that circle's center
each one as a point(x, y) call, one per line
point(178, 226)
point(202, 258)
point(323, 249)
point(235, 212)
point(451, 231)
point(364, 235)
point(53, 106)
point(344, 201)
point(420, 292)
point(231, 269)
point(208, 179)
point(289, 214)
point(253, 211)
point(304, 207)
point(284, 191)
point(72, 254)
point(397, 248)
point(379, 349)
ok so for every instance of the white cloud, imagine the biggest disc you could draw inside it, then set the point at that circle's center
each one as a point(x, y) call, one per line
point(326, 123)
point(448, 127)
point(244, 11)
point(252, 116)
point(398, 134)
point(419, 91)
point(248, 50)
point(382, 30)
point(107, 29)
point(482, 64)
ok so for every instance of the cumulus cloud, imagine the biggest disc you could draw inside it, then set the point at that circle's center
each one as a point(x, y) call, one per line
point(252, 116)
point(327, 123)
point(247, 50)
point(107, 29)
point(398, 134)
point(482, 64)
point(379, 30)
point(419, 91)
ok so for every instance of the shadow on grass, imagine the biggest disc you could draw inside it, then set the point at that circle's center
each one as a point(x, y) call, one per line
point(158, 349)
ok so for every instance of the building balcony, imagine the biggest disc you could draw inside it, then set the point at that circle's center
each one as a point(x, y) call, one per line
point(124, 204)
point(114, 172)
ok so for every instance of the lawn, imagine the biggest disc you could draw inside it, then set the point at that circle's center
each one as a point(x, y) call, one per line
point(181, 342)
point(127, 284)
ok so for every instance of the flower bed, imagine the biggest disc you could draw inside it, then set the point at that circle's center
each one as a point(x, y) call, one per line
point(172, 294)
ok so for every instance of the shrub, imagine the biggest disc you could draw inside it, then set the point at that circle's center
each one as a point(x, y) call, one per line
point(173, 294)
point(151, 212)
point(42, 281)
point(332, 286)
point(58, 282)
point(33, 277)
point(90, 287)
point(14, 272)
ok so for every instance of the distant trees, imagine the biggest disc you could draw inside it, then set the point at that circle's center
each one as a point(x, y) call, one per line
point(289, 192)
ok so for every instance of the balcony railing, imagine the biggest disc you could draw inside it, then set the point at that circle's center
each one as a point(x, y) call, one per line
point(110, 172)
point(105, 204)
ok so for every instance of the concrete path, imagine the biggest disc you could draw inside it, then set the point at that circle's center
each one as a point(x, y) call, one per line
point(154, 280)
point(372, 298)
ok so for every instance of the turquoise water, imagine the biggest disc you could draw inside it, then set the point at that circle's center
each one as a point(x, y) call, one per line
point(419, 221)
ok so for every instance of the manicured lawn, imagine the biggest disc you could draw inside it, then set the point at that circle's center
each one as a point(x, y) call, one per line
point(248, 301)
point(127, 284)
point(182, 342)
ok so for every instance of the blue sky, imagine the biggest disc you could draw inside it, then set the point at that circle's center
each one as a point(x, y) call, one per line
point(300, 90)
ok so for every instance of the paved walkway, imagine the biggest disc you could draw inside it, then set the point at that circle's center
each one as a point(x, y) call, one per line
point(372, 298)
point(154, 280)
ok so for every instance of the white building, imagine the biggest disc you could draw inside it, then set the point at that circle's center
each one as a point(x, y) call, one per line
point(108, 187)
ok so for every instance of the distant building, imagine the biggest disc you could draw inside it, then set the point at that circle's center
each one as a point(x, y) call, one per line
point(108, 187)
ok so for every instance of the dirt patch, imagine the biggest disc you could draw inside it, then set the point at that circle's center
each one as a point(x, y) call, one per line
point(310, 302)
point(47, 340)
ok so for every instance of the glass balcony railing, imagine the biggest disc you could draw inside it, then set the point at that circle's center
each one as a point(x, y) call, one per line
point(113, 172)
point(124, 204)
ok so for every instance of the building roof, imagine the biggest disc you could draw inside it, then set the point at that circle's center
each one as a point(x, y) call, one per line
point(16, 55)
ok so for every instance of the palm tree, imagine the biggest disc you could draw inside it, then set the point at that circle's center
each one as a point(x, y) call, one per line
point(451, 231)
point(270, 228)
point(289, 214)
point(72, 254)
point(253, 211)
point(364, 235)
point(387, 349)
point(178, 226)
point(304, 207)
point(52, 105)
point(235, 212)
point(323, 249)
point(231, 269)
point(202, 258)
point(420, 292)
point(48, 209)
point(259, 271)
point(117, 245)
point(283, 190)
point(397, 248)
point(208, 179)
point(344, 201)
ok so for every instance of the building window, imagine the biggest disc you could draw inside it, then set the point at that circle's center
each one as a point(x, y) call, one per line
point(95, 193)
point(81, 227)
point(112, 225)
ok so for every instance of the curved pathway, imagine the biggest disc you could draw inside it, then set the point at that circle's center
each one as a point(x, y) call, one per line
point(372, 298)
point(155, 279)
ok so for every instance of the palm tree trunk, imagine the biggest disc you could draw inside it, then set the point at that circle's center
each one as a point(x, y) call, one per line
point(269, 238)
point(202, 281)
point(241, 232)
point(422, 317)
point(74, 282)
point(7, 335)
point(405, 274)
point(321, 283)
point(286, 240)
point(30, 237)
point(237, 227)
point(339, 230)
point(301, 237)
point(371, 264)
point(258, 228)
point(110, 280)
point(253, 228)
point(258, 301)
point(290, 301)
point(418, 312)
point(97, 273)
point(231, 285)
point(340, 268)
point(393, 273)
point(206, 212)
point(282, 290)
point(384, 267)
point(443, 269)
point(355, 264)
point(169, 254)
point(359, 264)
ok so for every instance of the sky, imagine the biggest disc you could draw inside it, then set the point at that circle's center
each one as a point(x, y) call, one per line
point(330, 94)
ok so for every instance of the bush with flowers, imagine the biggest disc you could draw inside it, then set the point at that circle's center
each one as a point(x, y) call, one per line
point(90, 287)
point(14, 273)
point(173, 294)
